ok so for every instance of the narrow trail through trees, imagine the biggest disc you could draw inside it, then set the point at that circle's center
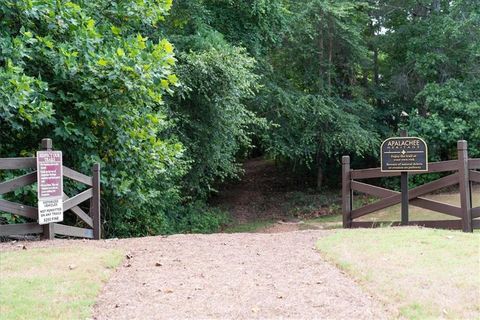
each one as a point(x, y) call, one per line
point(266, 192)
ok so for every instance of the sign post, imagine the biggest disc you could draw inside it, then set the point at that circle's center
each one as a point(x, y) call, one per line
point(50, 185)
point(404, 189)
point(404, 154)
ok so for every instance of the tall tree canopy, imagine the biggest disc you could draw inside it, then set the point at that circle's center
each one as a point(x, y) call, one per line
point(170, 96)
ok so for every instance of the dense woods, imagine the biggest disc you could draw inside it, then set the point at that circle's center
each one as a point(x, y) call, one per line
point(170, 97)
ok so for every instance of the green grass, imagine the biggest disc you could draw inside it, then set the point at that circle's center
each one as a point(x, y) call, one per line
point(53, 283)
point(423, 273)
point(248, 227)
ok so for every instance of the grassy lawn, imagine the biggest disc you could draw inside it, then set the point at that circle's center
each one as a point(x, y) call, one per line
point(423, 273)
point(53, 283)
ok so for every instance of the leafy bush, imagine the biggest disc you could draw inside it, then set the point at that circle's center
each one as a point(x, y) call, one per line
point(83, 74)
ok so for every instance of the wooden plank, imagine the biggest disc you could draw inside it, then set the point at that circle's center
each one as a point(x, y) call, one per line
point(18, 229)
point(77, 176)
point(18, 163)
point(441, 224)
point(476, 212)
point(372, 190)
point(372, 173)
point(474, 176)
point(48, 233)
point(418, 202)
point(375, 224)
point(414, 193)
point(441, 166)
point(437, 206)
point(95, 203)
point(346, 192)
point(20, 209)
point(434, 185)
point(464, 185)
point(379, 205)
point(476, 224)
point(80, 213)
point(474, 163)
point(76, 200)
point(18, 182)
point(72, 231)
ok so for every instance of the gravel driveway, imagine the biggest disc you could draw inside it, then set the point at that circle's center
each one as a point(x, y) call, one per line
point(231, 276)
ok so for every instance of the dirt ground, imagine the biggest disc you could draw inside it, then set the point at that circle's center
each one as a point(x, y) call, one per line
point(275, 274)
point(259, 194)
point(225, 276)
point(231, 276)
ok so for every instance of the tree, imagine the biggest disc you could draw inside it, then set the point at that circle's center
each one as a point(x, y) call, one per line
point(431, 69)
point(315, 99)
point(83, 74)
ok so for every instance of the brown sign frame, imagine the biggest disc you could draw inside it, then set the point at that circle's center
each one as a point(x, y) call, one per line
point(403, 170)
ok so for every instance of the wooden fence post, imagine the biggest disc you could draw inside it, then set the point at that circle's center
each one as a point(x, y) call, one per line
point(48, 231)
point(95, 202)
point(346, 193)
point(464, 181)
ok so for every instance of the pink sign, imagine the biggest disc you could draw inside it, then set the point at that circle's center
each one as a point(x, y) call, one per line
point(50, 175)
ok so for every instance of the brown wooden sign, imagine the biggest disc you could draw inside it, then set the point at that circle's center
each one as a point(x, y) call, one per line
point(404, 154)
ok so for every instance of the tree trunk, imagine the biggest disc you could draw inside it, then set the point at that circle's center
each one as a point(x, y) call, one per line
point(319, 171)
point(330, 53)
point(376, 77)
point(321, 71)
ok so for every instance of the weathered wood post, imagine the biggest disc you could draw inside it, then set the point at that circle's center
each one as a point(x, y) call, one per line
point(464, 181)
point(48, 229)
point(346, 193)
point(95, 202)
point(404, 189)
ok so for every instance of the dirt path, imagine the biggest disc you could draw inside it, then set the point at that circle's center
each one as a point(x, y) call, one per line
point(231, 276)
point(256, 195)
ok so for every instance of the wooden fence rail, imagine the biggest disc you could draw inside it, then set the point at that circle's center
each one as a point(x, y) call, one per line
point(48, 231)
point(464, 174)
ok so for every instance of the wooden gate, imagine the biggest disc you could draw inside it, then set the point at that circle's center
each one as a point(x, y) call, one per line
point(464, 174)
point(49, 231)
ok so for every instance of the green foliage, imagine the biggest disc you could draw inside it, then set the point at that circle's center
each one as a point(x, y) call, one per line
point(452, 108)
point(75, 73)
point(198, 218)
point(213, 121)
point(209, 109)
point(169, 119)
point(305, 125)
point(431, 69)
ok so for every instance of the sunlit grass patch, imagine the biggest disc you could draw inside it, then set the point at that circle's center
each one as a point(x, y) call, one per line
point(53, 283)
point(424, 273)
